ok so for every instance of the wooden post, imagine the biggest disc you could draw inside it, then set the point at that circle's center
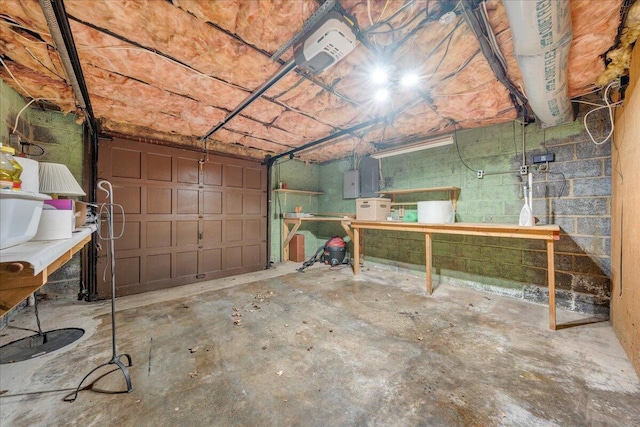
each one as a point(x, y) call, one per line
point(356, 250)
point(285, 245)
point(551, 279)
point(427, 241)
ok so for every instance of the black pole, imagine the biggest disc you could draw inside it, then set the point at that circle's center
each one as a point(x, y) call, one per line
point(283, 71)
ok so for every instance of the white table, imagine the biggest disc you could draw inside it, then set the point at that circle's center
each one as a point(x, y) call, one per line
point(25, 268)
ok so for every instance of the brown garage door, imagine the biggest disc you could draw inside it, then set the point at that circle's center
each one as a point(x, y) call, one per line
point(186, 220)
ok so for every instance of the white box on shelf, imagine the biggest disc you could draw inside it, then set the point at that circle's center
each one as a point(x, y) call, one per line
point(373, 209)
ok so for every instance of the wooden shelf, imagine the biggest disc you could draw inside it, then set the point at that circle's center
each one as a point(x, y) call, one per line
point(286, 190)
point(419, 190)
point(25, 268)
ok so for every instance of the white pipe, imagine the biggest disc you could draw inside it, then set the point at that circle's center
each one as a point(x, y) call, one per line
point(542, 37)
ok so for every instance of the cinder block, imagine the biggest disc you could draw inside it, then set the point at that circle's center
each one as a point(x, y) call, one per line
point(592, 187)
point(579, 169)
point(594, 206)
point(594, 226)
point(588, 150)
point(588, 265)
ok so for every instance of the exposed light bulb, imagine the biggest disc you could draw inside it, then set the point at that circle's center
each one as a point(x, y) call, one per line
point(379, 76)
point(382, 95)
point(410, 79)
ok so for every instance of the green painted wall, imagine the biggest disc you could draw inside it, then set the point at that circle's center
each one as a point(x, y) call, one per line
point(58, 134)
point(573, 192)
point(61, 138)
point(296, 175)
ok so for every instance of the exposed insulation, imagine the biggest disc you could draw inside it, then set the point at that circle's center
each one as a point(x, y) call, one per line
point(620, 57)
point(171, 70)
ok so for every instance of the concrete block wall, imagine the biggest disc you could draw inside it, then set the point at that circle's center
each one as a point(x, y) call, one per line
point(61, 137)
point(574, 192)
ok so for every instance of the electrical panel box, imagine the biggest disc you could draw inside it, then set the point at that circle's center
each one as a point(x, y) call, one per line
point(369, 177)
point(351, 185)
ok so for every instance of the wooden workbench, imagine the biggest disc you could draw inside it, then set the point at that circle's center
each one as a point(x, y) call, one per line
point(287, 234)
point(549, 233)
point(25, 268)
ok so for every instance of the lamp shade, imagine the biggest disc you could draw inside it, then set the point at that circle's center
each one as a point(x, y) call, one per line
point(56, 178)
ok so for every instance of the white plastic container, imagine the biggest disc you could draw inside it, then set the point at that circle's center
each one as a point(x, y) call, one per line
point(436, 212)
point(19, 216)
point(29, 177)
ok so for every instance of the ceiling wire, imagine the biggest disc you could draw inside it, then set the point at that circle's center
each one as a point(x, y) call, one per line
point(14, 78)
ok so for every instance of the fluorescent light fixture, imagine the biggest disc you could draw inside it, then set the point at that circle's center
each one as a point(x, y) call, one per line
point(382, 95)
point(410, 148)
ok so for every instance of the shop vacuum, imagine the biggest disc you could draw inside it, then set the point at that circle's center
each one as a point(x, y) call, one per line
point(332, 253)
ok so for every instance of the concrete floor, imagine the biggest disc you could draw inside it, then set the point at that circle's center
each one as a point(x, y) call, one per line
point(323, 348)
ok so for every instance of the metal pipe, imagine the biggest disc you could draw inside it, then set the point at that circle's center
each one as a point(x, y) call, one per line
point(269, 214)
point(283, 71)
point(58, 22)
point(326, 138)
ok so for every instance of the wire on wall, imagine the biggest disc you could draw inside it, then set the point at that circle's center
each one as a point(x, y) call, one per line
point(455, 140)
point(608, 105)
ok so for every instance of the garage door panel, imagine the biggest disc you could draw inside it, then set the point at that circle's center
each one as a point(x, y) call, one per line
point(188, 201)
point(212, 202)
point(233, 206)
point(253, 178)
point(130, 238)
point(232, 257)
point(211, 260)
point(233, 230)
point(126, 163)
point(184, 223)
point(212, 173)
point(251, 255)
point(186, 233)
point(253, 230)
point(127, 271)
point(158, 234)
point(158, 200)
point(252, 204)
point(233, 176)
point(187, 264)
point(211, 231)
point(188, 170)
point(129, 197)
point(158, 267)
point(159, 167)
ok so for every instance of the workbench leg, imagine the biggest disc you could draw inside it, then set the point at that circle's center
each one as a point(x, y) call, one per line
point(356, 251)
point(429, 266)
point(551, 279)
point(285, 247)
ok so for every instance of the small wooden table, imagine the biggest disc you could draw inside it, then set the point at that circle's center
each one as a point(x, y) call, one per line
point(549, 233)
point(25, 268)
point(287, 234)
